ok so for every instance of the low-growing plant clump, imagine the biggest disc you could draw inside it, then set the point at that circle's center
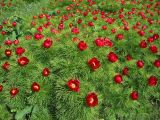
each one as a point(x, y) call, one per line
point(79, 59)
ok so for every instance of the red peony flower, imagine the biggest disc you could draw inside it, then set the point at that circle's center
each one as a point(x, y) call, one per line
point(47, 43)
point(120, 36)
point(150, 39)
point(157, 63)
point(153, 49)
point(1, 88)
point(1, 27)
point(41, 15)
point(113, 30)
point(118, 78)
point(104, 27)
point(128, 57)
point(79, 21)
point(16, 42)
point(89, 0)
point(110, 20)
point(20, 51)
point(141, 33)
point(14, 24)
point(85, 13)
point(94, 63)
point(75, 30)
point(140, 63)
point(99, 42)
point(152, 81)
point(134, 95)
point(8, 53)
point(6, 65)
point(82, 45)
point(61, 26)
point(144, 27)
point(38, 36)
point(92, 99)
point(91, 24)
point(155, 36)
point(45, 72)
point(125, 71)
point(143, 44)
point(107, 42)
point(22, 61)
point(3, 32)
point(112, 57)
point(35, 87)
point(40, 29)
point(74, 85)
point(14, 92)
point(8, 42)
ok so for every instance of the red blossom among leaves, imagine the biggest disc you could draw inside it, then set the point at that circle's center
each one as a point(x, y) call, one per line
point(102, 42)
point(140, 64)
point(118, 78)
point(35, 87)
point(92, 99)
point(22, 61)
point(155, 36)
point(134, 95)
point(1, 88)
point(74, 85)
point(125, 71)
point(8, 52)
point(38, 36)
point(150, 39)
point(16, 42)
point(20, 51)
point(120, 36)
point(14, 92)
point(157, 63)
point(47, 43)
point(152, 81)
point(75, 30)
point(128, 57)
point(94, 63)
point(8, 42)
point(143, 44)
point(99, 42)
point(153, 49)
point(46, 72)
point(108, 42)
point(14, 24)
point(82, 45)
point(6, 65)
point(112, 57)
point(141, 33)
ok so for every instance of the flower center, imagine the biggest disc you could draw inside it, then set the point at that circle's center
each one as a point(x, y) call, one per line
point(91, 100)
point(73, 85)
